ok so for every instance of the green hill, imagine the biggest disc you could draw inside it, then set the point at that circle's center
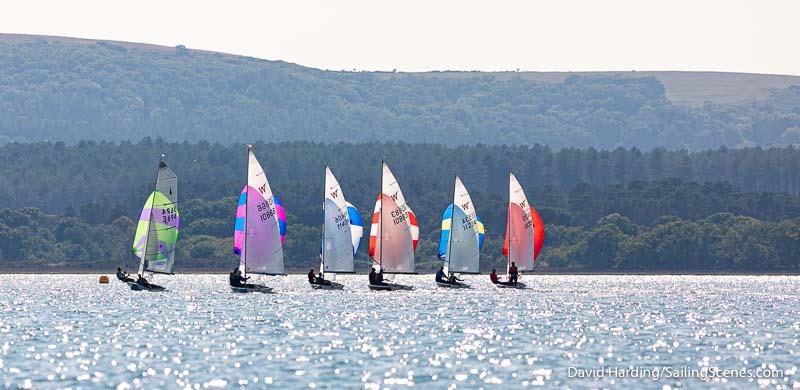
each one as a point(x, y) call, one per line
point(67, 89)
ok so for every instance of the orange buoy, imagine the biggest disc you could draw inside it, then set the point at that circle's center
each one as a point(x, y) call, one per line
point(103, 279)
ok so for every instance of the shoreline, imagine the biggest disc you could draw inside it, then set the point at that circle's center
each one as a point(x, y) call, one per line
point(544, 271)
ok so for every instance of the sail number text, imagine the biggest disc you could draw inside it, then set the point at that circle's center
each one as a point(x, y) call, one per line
point(265, 210)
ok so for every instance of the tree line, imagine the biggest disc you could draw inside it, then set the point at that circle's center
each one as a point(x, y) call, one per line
point(56, 177)
point(63, 91)
point(76, 205)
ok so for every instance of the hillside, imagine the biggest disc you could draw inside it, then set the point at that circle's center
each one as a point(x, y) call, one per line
point(690, 88)
point(66, 89)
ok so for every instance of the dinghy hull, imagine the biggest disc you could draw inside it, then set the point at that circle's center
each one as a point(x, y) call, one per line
point(390, 287)
point(138, 287)
point(332, 286)
point(258, 289)
point(518, 286)
point(451, 285)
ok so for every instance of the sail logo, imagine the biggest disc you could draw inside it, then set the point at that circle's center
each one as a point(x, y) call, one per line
point(465, 206)
point(395, 196)
point(262, 189)
point(522, 204)
point(335, 194)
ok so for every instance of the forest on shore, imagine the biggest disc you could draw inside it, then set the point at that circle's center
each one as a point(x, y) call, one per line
point(72, 90)
point(68, 206)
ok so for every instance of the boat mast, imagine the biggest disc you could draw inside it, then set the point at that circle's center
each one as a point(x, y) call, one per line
point(450, 236)
point(380, 217)
point(324, 219)
point(246, 208)
point(508, 223)
point(150, 217)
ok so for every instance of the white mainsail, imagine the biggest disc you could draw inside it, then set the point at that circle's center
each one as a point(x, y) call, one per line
point(394, 231)
point(463, 253)
point(262, 249)
point(519, 229)
point(337, 240)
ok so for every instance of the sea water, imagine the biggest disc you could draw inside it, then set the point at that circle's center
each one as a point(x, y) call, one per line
point(563, 331)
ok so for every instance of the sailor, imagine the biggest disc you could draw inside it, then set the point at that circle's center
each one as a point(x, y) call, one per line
point(237, 280)
point(312, 279)
point(321, 279)
point(142, 281)
point(440, 276)
point(494, 279)
point(453, 279)
point(123, 276)
point(373, 277)
point(513, 274)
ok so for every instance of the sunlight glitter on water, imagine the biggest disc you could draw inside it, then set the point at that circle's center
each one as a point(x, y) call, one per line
point(70, 331)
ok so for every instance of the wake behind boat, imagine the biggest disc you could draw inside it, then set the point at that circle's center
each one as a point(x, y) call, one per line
point(157, 230)
point(259, 231)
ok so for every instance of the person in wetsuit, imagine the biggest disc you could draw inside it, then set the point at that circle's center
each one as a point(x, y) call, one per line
point(312, 278)
point(122, 276)
point(453, 279)
point(440, 276)
point(237, 280)
point(142, 281)
point(373, 276)
point(321, 279)
point(379, 278)
point(513, 274)
point(495, 280)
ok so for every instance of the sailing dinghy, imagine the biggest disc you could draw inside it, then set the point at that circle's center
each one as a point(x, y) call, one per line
point(462, 236)
point(260, 228)
point(341, 234)
point(394, 233)
point(524, 231)
point(157, 230)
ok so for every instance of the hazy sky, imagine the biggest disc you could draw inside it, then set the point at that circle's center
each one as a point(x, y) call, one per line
point(413, 35)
